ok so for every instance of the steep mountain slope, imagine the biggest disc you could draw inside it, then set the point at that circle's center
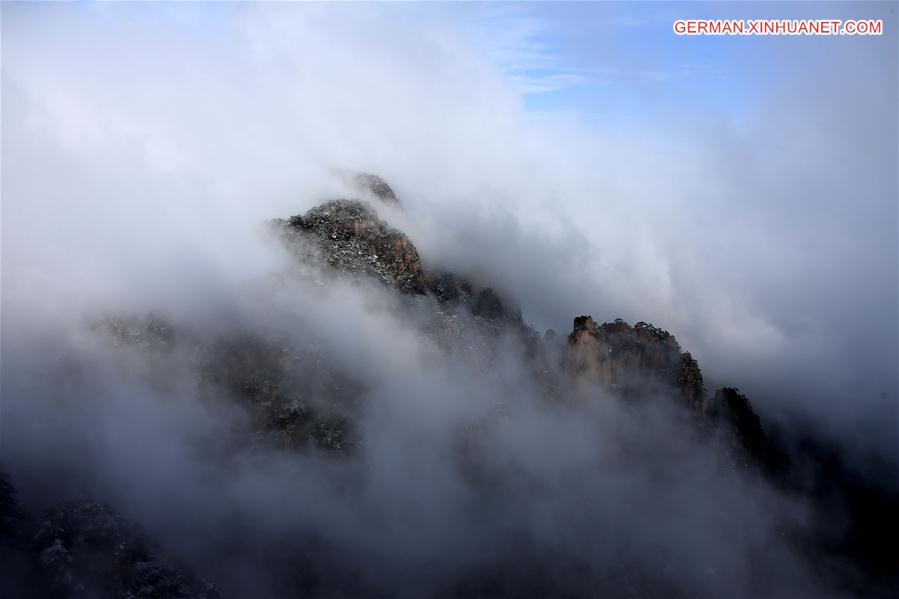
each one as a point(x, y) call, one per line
point(348, 236)
point(533, 518)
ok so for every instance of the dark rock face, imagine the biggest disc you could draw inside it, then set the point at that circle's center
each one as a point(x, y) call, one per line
point(481, 302)
point(295, 399)
point(490, 306)
point(449, 288)
point(348, 236)
point(734, 408)
point(624, 358)
point(86, 550)
point(10, 519)
point(749, 446)
point(18, 563)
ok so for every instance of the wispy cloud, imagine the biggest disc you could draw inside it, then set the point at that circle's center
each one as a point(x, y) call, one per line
point(521, 46)
point(527, 47)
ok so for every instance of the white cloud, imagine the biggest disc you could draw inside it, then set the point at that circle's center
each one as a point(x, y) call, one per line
point(132, 143)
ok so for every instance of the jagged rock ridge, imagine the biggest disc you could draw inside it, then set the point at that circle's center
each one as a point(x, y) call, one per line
point(348, 236)
point(626, 360)
point(298, 402)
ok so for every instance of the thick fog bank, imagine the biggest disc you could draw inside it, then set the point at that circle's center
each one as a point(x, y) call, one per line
point(461, 479)
point(137, 138)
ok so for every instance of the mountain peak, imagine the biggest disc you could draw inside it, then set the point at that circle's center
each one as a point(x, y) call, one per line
point(348, 236)
point(377, 187)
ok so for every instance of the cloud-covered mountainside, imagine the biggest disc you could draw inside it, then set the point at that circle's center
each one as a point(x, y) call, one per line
point(358, 422)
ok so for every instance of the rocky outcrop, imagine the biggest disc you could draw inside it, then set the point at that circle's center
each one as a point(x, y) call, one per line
point(631, 360)
point(348, 236)
point(378, 187)
point(349, 239)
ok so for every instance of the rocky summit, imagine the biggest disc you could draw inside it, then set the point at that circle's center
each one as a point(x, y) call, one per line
point(348, 236)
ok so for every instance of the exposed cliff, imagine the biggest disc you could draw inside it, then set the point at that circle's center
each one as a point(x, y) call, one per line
point(627, 359)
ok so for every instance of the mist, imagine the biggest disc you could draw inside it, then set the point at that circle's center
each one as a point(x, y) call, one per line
point(145, 147)
point(458, 471)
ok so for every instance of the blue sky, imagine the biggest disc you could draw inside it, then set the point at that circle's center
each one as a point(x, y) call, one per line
point(615, 62)
point(621, 62)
